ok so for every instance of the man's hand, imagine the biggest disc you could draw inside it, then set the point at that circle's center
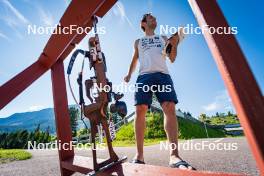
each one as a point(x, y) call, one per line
point(171, 47)
point(174, 40)
point(127, 78)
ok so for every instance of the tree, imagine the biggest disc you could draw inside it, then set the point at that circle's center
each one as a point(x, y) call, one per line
point(74, 113)
point(22, 139)
point(83, 131)
point(203, 119)
point(229, 113)
point(3, 137)
point(37, 134)
point(19, 139)
point(189, 114)
point(46, 137)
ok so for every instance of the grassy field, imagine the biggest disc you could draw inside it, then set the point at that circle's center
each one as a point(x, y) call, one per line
point(127, 143)
point(8, 155)
point(191, 130)
point(155, 133)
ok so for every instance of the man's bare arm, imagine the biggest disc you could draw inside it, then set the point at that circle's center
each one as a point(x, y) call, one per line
point(134, 61)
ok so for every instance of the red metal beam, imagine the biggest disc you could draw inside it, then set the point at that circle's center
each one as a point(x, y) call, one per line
point(20, 82)
point(62, 118)
point(59, 46)
point(79, 14)
point(105, 8)
point(238, 78)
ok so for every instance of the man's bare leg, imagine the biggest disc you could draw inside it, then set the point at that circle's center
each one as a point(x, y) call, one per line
point(140, 125)
point(171, 128)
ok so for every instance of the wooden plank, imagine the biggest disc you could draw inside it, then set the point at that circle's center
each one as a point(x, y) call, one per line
point(238, 78)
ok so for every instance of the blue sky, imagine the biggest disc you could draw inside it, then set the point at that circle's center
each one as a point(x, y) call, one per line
point(198, 83)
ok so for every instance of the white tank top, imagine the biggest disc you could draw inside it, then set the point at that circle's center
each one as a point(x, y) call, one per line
point(150, 55)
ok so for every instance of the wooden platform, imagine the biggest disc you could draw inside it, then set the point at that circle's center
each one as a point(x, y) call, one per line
point(84, 165)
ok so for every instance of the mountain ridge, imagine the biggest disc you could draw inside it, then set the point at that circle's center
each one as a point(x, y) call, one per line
point(30, 120)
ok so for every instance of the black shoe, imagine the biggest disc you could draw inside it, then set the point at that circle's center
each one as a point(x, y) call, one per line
point(136, 161)
point(181, 163)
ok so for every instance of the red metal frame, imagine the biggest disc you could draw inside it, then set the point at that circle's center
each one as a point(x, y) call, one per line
point(64, 132)
point(238, 78)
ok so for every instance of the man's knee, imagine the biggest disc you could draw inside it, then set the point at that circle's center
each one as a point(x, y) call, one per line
point(168, 107)
point(141, 109)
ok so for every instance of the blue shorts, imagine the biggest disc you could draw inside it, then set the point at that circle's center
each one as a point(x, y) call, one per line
point(159, 83)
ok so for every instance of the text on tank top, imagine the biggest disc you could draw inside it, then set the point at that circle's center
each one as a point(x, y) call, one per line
point(150, 55)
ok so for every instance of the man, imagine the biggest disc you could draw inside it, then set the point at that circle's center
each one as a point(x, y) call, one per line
point(153, 71)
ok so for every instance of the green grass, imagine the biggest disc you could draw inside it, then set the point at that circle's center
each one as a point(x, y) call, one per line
point(155, 133)
point(191, 130)
point(223, 120)
point(128, 143)
point(8, 155)
point(124, 143)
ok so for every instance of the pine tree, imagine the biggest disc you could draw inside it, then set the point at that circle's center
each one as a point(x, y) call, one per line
point(74, 113)
point(37, 134)
point(47, 135)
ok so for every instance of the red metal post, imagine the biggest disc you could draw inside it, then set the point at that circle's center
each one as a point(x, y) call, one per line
point(64, 132)
point(20, 82)
point(238, 78)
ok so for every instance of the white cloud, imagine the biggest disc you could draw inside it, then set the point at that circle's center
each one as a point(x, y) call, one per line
point(211, 107)
point(46, 17)
point(221, 102)
point(36, 107)
point(4, 36)
point(13, 24)
point(119, 10)
point(18, 15)
point(10, 21)
point(13, 18)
